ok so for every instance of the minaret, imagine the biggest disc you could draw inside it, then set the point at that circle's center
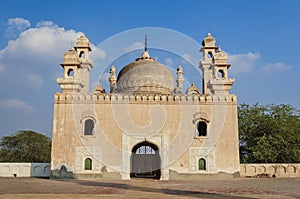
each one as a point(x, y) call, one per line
point(112, 79)
point(71, 82)
point(179, 80)
point(83, 49)
point(208, 51)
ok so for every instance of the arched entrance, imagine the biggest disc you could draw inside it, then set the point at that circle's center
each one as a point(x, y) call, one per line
point(145, 161)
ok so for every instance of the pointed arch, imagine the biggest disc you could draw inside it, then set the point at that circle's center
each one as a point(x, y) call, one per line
point(202, 164)
point(88, 164)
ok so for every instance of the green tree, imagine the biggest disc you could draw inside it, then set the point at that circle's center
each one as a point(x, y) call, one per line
point(25, 146)
point(269, 134)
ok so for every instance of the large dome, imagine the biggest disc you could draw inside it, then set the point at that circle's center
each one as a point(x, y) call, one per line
point(145, 75)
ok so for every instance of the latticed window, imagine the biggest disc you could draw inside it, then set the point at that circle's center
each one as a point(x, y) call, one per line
point(202, 164)
point(145, 150)
point(88, 164)
point(202, 128)
point(89, 127)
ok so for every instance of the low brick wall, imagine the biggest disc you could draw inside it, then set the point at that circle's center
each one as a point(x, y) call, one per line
point(279, 170)
point(24, 169)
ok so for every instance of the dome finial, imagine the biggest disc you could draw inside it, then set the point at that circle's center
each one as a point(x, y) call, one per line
point(145, 43)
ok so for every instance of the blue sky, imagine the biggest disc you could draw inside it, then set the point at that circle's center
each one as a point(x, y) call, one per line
point(260, 37)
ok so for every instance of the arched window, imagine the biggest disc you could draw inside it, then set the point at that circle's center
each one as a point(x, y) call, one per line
point(88, 164)
point(202, 128)
point(81, 55)
point(202, 164)
point(70, 72)
point(89, 127)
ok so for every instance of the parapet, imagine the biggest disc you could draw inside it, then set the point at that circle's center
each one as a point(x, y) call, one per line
point(119, 98)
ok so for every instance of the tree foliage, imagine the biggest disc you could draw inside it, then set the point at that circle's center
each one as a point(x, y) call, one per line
point(25, 146)
point(269, 134)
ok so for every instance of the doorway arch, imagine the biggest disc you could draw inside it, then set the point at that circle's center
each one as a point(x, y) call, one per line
point(145, 161)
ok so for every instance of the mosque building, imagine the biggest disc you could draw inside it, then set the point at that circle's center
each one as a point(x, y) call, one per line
point(146, 125)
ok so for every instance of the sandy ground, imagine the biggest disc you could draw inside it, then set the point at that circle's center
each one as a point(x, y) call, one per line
point(31, 188)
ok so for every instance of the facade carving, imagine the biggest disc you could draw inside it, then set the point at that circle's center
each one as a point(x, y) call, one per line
point(145, 117)
point(93, 153)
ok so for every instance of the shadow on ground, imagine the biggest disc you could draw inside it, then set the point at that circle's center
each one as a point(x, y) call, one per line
point(148, 190)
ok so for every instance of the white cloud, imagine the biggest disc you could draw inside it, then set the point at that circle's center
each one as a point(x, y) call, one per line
point(49, 24)
point(97, 53)
point(276, 67)
point(34, 56)
point(16, 25)
point(15, 104)
point(242, 63)
point(134, 46)
point(45, 41)
point(169, 61)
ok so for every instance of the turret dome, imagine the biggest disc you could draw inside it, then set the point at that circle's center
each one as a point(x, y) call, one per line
point(71, 58)
point(83, 42)
point(209, 41)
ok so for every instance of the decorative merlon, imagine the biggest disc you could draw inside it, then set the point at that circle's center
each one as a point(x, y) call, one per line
point(125, 98)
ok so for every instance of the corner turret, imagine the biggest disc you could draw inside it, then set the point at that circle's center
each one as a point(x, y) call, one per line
point(76, 67)
point(214, 68)
point(70, 82)
point(83, 49)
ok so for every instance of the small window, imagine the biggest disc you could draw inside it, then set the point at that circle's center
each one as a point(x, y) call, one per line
point(221, 74)
point(202, 128)
point(202, 164)
point(81, 55)
point(89, 127)
point(88, 164)
point(209, 54)
point(70, 72)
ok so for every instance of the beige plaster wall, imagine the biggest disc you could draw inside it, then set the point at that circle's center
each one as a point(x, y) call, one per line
point(169, 122)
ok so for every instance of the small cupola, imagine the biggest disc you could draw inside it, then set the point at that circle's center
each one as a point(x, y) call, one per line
point(70, 58)
point(83, 48)
point(70, 64)
point(209, 41)
point(83, 42)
